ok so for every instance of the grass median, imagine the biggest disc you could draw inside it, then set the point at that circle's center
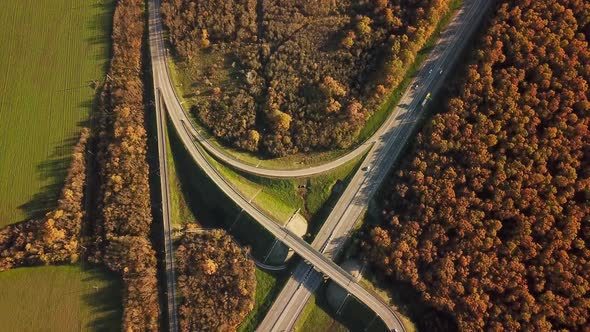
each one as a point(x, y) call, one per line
point(280, 198)
point(189, 206)
point(268, 286)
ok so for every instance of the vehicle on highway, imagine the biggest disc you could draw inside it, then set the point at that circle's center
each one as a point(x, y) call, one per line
point(366, 168)
point(426, 99)
point(440, 72)
point(415, 86)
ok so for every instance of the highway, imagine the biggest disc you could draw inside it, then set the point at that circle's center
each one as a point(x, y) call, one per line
point(346, 213)
point(167, 228)
point(179, 120)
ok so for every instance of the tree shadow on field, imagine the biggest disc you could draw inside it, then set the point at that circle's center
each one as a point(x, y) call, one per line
point(103, 21)
point(53, 170)
point(104, 300)
point(92, 106)
point(55, 167)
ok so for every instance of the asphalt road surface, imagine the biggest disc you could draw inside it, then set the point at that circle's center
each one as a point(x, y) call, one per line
point(164, 90)
point(167, 228)
point(387, 148)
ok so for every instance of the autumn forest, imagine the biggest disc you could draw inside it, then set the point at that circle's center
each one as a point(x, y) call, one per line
point(281, 77)
point(216, 281)
point(489, 216)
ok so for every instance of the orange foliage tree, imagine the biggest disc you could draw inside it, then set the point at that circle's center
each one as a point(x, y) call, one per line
point(490, 216)
point(309, 60)
point(54, 239)
point(216, 279)
point(122, 229)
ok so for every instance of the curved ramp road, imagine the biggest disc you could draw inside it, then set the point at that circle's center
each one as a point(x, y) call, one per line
point(302, 248)
point(349, 208)
point(174, 106)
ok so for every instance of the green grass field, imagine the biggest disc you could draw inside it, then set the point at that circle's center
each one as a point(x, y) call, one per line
point(180, 212)
point(316, 317)
point(50, 53)
point(59, 298)
point(353, 316)
point(268, 287)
